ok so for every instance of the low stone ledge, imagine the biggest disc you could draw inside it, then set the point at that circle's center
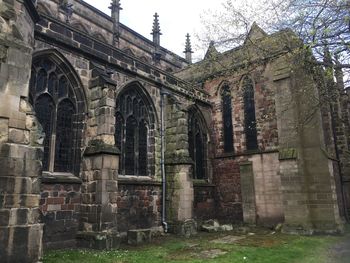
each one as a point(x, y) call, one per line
point(138, 181)
point(139, 236)
point(98, 240)
point(185, 228)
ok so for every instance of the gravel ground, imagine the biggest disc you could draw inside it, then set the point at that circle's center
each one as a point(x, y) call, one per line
point(340, 252)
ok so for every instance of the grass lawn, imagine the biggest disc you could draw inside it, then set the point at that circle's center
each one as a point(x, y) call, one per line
point(219, 247)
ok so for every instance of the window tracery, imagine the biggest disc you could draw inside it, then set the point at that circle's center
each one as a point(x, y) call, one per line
point(132, 133)
point(55, 109)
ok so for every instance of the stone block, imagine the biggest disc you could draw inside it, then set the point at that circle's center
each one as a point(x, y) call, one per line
point(98, 240)
point(139, 236)
point(4, 217)
point(18, 136)
point(211, 226)
point(4, 130)
point(185, 228)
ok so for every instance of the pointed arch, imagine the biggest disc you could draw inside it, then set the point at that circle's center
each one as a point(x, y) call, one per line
point(54, 77)
point(45, 8)
point(99, 36)
point(129, 51)
point(61, 62)
point(80, 26)
point(135, 130)
point(143, 93)
point(222, 84)
point(198, 135)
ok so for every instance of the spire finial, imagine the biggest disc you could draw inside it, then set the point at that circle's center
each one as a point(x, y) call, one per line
point(115, 6)
point(115, 14)
point(188, 49)
point(156, 30)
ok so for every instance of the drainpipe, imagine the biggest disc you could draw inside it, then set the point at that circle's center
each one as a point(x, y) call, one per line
point(162, 158)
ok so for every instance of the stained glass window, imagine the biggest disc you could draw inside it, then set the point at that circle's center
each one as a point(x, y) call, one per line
point(227, 118)
point(197, 144)
point(132, 136)
point(249, 114)
point(56, 112)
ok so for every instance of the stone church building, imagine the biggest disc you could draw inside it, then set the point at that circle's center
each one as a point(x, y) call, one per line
point(103, 132)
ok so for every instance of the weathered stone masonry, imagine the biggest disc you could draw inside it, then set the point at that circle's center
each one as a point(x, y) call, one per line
point(92, 177)
point(20, 140)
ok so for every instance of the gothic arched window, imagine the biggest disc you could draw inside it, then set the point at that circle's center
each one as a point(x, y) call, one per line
point(249, 114)
point(197, 143)
point(226, 99)
point(133, 130)
point(55, 105)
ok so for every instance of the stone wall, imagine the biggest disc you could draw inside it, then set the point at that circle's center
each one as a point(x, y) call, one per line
point(60, 211)
point(228, 183)
point(266, 119)
point(205, 203)
point(307, 172)
point(20, 139)
point(139, 205)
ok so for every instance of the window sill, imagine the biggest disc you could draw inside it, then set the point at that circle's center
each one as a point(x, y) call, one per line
point(60, 178)
point(245, 153)
point(137, 180)
point(202, 183)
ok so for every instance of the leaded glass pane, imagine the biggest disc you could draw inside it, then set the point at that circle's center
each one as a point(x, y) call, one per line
point(129, 105)
point(227, 119)
point(130, 146)
point(199, 157)
point(249, 114)
point(52, 84)
point(190, 140)
point(119, 137)
point(47, 65)
point(135, 108)
point(64, 137)
point(197, 144)
point(41, 81)
point(63, 87)
point(142, 149)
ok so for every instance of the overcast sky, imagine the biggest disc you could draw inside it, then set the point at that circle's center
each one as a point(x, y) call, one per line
point(177, 18)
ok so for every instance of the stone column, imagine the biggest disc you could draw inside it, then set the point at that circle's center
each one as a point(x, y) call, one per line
point(99, 197)
point(98, 226)
point(178, 169)
point(20, 138)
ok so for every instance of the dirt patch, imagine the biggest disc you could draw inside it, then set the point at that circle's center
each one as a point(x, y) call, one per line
point(209, 254)
point(228, 240)
point(340, 252)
